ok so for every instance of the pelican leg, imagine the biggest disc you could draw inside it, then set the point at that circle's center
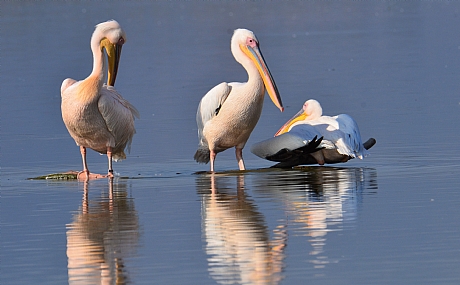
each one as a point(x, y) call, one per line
point(85, 166)
point(85, 174)
point(239, 158)
point(109, 157)
point(212, 157)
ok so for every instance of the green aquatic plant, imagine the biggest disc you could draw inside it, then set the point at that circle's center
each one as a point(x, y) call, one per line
point(70, 175)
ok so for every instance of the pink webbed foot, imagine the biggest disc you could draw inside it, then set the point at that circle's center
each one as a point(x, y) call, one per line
point(86, 175)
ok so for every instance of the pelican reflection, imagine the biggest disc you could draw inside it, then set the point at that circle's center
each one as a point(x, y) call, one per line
point(104, 232)
point(237, 239)
point(318, 200)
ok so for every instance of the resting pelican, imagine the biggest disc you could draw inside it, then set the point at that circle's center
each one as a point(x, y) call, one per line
point(340, 139)
point(95, 115)
point(228, 113)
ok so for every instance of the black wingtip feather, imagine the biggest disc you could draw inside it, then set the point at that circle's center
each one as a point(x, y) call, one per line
point(369, 143)
point(202, 155)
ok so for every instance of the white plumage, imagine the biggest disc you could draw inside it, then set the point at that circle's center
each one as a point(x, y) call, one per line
point(228, 113)
point(95, 115)
point(341, 139)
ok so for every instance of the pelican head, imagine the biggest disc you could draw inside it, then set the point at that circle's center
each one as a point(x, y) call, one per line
point(245, 49)
point(311, 110)
point(111, 37)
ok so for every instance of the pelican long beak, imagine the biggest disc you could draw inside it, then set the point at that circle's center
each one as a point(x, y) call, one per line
point(256, 56)
point(113, 55)
point(300, 116)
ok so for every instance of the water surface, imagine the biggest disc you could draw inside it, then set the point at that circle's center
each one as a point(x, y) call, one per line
point(390, 218)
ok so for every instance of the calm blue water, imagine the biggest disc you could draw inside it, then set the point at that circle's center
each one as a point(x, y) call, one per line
point(392, 218)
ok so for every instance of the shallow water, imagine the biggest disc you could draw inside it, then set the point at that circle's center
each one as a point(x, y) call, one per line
point(391, 218)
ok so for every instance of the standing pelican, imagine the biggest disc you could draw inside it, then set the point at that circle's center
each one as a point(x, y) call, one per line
point(228, 113)
point(310, 138)
point(95, 115)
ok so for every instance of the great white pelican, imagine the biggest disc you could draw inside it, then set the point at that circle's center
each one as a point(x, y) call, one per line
point(310, 138)
point(228, 113)
point(95, 115)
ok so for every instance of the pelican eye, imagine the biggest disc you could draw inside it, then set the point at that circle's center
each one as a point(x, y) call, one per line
point(251, 42)
point(121, 41)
